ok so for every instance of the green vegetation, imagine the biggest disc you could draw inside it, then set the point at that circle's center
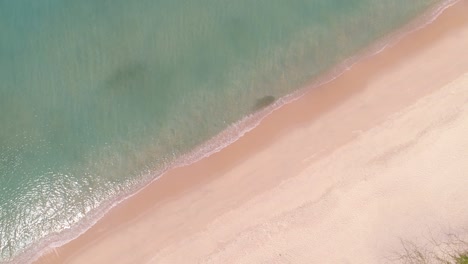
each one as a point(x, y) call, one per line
point(452, 250)
point(462, 259)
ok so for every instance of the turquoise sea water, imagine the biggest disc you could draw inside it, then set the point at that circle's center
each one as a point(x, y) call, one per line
point(97, 94)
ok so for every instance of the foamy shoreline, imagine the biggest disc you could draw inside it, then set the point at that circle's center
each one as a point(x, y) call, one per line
point(235, 140)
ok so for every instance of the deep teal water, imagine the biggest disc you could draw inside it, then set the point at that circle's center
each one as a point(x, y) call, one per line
point(95, 94)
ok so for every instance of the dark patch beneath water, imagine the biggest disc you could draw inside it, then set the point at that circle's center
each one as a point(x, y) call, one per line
point(127, 76)
point(264, 102)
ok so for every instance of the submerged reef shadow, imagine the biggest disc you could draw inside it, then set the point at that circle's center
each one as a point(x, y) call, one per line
point(263, 102)
point(127, 76)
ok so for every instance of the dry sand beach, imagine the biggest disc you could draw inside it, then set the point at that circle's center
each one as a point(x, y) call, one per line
point(339, 176)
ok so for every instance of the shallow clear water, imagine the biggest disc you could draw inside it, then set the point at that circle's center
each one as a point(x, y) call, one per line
point(94, 94)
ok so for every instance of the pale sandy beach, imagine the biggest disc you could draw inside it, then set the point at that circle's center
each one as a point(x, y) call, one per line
point(339, 176)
